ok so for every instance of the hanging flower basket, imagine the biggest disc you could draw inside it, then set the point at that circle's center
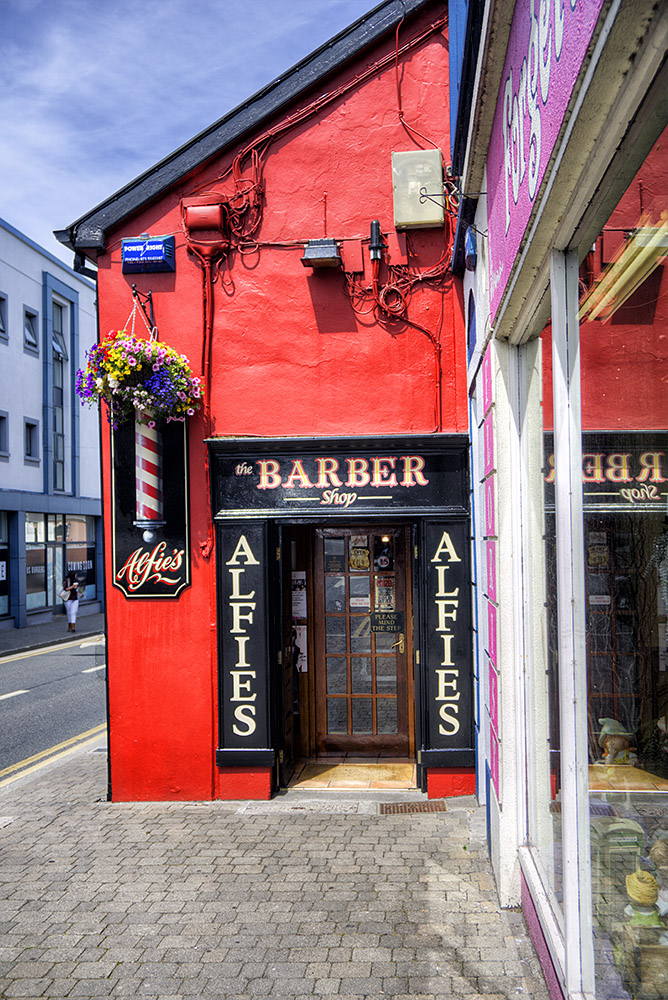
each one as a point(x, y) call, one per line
point(131, 374)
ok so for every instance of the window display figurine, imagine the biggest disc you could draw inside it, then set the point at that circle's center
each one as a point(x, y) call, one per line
point(616, 742)
point(642, 911)
point(659, 857)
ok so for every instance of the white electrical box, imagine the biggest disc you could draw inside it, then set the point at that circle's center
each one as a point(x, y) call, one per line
point(417, 184)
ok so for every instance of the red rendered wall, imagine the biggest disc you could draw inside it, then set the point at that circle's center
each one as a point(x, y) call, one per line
point(446, 782)
point(289, 357)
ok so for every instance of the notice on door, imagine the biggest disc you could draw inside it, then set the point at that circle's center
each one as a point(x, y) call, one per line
point(387, 621)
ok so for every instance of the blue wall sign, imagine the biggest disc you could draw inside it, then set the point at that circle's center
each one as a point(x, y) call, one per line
point(155, 253)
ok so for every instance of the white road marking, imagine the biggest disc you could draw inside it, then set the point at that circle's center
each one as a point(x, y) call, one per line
point(12, 694)
point(91, 670)
point(57, 647)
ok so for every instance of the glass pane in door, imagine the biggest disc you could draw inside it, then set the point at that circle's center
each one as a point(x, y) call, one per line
point(362, 617)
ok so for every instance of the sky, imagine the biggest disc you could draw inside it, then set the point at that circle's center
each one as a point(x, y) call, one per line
point(94, 92)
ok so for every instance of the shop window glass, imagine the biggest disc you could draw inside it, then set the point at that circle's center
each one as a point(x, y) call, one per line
point(35, 577)
point(76, 528)
point(90, 530)
point(34, 528)
point(4, 563)
point(624, 366)
point(80, 564)
point(55, 528)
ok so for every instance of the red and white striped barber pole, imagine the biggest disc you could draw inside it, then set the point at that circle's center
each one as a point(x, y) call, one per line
point(148, 477)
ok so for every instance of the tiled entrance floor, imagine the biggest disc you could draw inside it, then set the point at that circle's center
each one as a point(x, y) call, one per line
point(351, 773)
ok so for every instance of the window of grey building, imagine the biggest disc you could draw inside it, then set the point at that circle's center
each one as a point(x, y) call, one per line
point(31, 331)
point(4, 329)
point(31, 441)
point(58, 421)
point(4, 434)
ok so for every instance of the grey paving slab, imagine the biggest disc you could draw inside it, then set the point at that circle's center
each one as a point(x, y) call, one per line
point(244, 900)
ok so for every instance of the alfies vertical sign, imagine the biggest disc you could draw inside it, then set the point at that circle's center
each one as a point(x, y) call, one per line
point(243, 676)
point(447, 667)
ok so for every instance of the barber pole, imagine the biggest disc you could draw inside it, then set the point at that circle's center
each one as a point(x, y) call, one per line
point(148, 477)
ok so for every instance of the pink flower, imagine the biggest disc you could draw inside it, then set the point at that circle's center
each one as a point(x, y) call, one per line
point(132, 361)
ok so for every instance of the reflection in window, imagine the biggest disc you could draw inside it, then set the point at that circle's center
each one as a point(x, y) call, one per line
point(624, 358)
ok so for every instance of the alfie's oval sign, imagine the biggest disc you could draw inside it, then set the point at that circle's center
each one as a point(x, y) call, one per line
point(298, 477)
point(150, 531)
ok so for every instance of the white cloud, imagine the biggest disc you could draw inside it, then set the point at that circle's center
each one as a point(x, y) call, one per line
point(93, 92)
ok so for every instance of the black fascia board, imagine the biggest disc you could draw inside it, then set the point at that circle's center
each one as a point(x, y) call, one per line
point(471, 47)
point(465, 217)
point(87, 234)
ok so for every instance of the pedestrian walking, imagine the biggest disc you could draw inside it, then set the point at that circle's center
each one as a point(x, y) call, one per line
point(70, 598)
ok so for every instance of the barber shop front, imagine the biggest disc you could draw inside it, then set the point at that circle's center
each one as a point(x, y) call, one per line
point(344, 617)
point(282, 359)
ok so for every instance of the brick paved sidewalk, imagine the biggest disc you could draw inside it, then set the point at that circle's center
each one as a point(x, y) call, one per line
point(310, 895)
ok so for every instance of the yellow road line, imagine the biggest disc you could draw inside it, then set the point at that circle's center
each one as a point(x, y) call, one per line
point(73, 743)
point(37, 767)
point(8, 657)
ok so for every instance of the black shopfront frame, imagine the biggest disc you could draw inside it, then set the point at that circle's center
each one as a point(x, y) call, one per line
point(260, 485)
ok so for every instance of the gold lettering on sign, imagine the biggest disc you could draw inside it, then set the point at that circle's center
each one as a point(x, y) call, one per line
point(447, 605)
point(152, 567)
point(242, 607)
point(319, 473)
point(621, 467)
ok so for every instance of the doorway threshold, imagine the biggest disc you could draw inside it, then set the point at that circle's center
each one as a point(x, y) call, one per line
point(355, 773)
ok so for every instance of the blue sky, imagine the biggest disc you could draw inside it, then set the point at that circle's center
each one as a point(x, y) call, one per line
point(93, 92)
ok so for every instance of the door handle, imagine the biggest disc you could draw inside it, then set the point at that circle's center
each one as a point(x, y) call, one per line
point(400, 643)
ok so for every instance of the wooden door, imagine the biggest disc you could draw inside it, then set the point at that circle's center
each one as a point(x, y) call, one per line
point(362, 641)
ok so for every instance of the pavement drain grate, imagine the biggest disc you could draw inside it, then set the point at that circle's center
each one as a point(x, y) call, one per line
point(411, 807)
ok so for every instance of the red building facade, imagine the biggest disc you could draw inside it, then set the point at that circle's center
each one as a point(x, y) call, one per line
point(313, 598)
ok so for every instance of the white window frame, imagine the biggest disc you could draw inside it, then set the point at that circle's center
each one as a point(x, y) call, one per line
point(571, 626)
